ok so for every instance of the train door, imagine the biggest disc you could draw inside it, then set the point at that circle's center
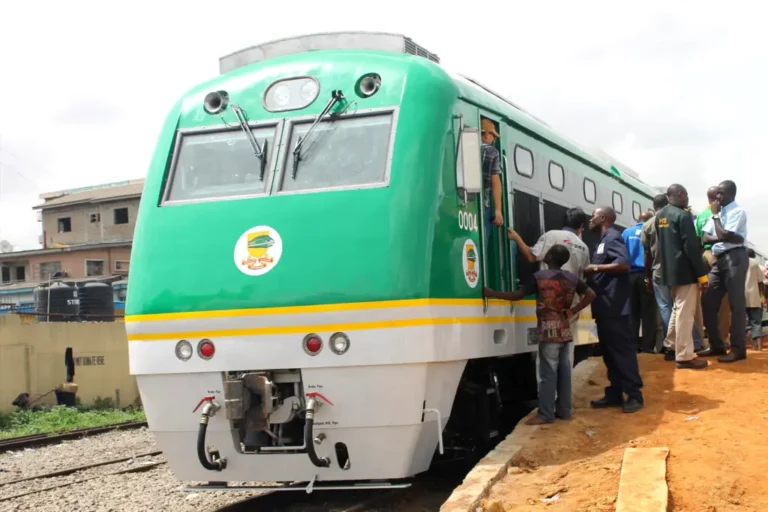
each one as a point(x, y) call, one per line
point(526, 208)
point(497, 250)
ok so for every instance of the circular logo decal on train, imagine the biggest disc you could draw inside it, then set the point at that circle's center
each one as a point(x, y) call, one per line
point(469, 260)
point(258, 250)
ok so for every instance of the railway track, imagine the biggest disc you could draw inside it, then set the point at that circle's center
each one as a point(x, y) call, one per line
point(30, 480)
point(19, 443)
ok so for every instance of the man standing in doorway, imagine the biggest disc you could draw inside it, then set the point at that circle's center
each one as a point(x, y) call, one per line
point(608, 277)
point(491, 178)
point(727, 231)
point(682, 270)
point(574, 222)
point(724, 318)
point(641, 302)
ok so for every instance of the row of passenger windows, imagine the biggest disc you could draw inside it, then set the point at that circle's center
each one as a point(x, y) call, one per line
point(524, 167)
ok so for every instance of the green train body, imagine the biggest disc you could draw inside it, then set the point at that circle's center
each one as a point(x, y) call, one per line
point(398, 238)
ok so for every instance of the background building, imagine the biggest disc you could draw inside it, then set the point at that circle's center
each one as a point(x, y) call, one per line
point(87, 234)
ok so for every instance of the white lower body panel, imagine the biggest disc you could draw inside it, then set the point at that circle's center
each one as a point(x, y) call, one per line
point(378, 412)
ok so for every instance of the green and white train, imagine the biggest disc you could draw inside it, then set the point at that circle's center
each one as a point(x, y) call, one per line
point(308, 264)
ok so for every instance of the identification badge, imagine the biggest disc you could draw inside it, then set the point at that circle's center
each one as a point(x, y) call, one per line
point(601, 249)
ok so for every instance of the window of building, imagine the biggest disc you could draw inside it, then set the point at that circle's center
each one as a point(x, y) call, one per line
point(47, 269)
point(65, 225)
point(523, 161)
point(122, 266)
point(618, 202)
point(121, 215)
point(95, 217)
point(590, 191)
point(556, 176)
point(94, 268)
point(636, 210)
point(21, 274)
point(6, 275)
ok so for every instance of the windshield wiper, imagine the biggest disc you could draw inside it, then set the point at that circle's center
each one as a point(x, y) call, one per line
point(259, 152)
point(336, 97)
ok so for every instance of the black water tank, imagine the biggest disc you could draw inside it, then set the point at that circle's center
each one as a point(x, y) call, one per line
point(64, 304)
point(97, 302)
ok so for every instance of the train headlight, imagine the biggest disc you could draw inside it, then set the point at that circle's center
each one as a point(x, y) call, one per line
point(339, 343)
point(312, 344)
point(184, 350)
point(291, 94)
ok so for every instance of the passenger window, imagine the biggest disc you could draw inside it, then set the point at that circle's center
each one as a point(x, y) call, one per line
point(218, 164)
point(556, 176)
point(636, 210)
point(618, 202)
point(590, 191)
point(346, 152)
point(523, 161)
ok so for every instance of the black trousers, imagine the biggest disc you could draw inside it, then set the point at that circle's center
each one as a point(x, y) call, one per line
point(642, 304)
point(620, 357)
point(728, 274)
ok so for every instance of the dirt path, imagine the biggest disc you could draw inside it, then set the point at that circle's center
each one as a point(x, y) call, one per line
point(711, 420)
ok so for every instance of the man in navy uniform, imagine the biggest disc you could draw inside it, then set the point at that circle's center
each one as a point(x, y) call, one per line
point(608, 276)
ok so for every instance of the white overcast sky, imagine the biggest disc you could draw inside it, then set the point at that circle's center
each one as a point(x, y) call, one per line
point(676, 90)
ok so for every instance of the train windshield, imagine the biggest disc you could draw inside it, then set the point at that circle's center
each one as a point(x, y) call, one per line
point(218, 164)
point(346, 152)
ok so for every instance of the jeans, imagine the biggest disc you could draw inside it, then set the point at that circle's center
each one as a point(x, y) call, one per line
point(666, 305)
point(555, 370)
point(756, 322)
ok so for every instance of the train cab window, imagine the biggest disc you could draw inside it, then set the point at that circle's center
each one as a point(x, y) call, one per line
point(523, 161)
point(218, 164)
point(637, 210)
point(618, 203)
point(590, 191)
point(347, 152)
point(556, 176)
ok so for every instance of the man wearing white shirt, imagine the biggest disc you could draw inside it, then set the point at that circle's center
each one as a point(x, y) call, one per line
point(727, 231)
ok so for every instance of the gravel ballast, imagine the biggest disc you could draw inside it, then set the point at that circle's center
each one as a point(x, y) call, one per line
point(152, 489)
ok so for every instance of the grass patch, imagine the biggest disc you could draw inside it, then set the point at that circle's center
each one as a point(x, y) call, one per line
point(61, 419)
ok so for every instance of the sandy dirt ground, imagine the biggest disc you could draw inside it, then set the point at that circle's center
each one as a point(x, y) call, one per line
point(711, 420)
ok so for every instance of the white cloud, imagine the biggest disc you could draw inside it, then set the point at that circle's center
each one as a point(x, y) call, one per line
point(676, 90)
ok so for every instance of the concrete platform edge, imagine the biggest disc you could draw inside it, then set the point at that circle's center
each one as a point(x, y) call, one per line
point(476, 486)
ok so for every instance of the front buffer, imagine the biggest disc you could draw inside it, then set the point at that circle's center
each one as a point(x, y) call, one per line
point(333, 424)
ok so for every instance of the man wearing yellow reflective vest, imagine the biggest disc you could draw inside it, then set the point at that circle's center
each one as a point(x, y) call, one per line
point(682, 269)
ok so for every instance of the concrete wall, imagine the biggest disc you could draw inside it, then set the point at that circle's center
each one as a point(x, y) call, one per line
point(32, 360)
point(83, 230)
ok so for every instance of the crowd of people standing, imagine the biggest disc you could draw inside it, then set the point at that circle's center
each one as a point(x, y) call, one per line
point(694, 276)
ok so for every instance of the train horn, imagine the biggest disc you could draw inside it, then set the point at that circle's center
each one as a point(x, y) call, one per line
point(369, 85)
point(215, 102)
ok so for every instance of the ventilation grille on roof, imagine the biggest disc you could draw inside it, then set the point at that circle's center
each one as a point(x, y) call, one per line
point(415, 49)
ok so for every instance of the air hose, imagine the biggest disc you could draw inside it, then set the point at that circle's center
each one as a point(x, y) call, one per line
point(324, 462)
point(215, 463)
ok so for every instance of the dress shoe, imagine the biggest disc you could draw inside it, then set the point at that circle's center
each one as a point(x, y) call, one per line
point(710, 352)
point(632, 405)
point(604, 403)
point(732, 358)
point(693, 364)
